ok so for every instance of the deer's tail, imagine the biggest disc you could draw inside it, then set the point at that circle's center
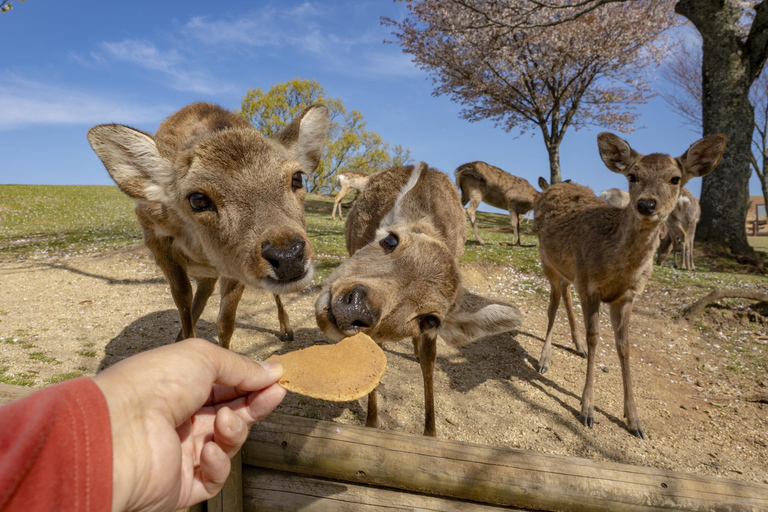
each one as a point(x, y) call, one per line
point(461, 173)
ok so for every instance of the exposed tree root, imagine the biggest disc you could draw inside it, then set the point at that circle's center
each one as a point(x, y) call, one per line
point(693, 311)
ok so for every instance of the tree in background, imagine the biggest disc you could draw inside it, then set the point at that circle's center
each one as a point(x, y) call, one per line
point(683, 72)
point(350, 147)
point(6, 5)
point(734, 49)
point(588, 72)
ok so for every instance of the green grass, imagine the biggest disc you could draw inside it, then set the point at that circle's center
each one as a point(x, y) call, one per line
point(87, 353)
point(40, 356)
point(42, 220)
point(61, 377)
point(59, 220)
point(16, 379)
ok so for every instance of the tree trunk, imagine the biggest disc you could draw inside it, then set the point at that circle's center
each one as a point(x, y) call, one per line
point(554, 163)
point(725, 109)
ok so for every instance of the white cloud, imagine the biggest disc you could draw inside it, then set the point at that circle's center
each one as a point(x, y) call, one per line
point(25, 102)
point(171, 64)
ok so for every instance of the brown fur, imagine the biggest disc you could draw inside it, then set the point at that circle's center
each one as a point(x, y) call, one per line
point(481, 182)
point(616, 197)
point(681, 226)
point(256, 211)
point(606, 252)
point(348, 181)
point(412, 289)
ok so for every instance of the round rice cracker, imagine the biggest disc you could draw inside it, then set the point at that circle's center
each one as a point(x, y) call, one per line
point(347, 370)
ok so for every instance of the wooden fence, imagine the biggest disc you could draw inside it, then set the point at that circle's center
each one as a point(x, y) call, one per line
point(291, 463)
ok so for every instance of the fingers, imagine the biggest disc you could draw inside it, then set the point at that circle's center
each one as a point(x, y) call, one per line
point(229, 431)
point(214, 468)
point(231, 369)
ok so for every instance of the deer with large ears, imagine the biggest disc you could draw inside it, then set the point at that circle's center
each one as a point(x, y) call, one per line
point(606, 252)
point(405, 234)
point(216, 200)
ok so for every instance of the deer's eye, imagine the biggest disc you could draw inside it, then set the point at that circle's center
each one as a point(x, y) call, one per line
point(632, 178)
point(201, 202)
point(428, 322)
point(389, 242)
point(297, 181)
point(675, 180)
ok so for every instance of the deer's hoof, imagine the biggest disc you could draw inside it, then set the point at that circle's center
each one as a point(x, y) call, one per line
point(584, 354)
point(286, 336)
point(543, 369)
point(587, 420)
point(638, 433)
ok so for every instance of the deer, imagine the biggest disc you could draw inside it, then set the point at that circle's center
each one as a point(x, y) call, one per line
point(606, 252)
point(404, 235)
point(615, 196)
point(348, 181)
point(218, 201)
point(681, 226)
point(481, 182)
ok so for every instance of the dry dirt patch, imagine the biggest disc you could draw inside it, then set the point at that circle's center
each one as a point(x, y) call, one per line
point(63, 317)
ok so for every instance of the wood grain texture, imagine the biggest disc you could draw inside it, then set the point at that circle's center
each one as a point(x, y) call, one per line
point(485, 474)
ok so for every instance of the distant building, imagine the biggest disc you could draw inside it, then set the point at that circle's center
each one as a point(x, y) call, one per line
point(757, 211)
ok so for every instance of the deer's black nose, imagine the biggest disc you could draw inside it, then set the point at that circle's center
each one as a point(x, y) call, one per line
point(352, 310)
point(646, 206)
point(287, 262)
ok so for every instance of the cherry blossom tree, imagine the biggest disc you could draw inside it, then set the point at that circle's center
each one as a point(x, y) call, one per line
point(734, 49)
point(590, 71)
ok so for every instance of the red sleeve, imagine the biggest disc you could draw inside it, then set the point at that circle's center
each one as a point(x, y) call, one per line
point(56, 450)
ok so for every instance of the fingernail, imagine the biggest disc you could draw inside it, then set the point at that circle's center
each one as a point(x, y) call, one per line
point(272, 366)
point(235, 424)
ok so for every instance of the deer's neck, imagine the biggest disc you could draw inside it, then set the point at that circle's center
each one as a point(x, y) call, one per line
point(639, 238)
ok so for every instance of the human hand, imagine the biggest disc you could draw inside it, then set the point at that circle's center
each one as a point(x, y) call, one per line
point(178, 414)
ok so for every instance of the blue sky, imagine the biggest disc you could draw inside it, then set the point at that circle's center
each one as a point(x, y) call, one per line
point(67, 66)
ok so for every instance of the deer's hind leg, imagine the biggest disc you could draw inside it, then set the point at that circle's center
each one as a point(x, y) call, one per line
point(555, 291)
point(475, 198)
point(590, 305)
point(565, 292)
point(337, 202)
point(286, 333)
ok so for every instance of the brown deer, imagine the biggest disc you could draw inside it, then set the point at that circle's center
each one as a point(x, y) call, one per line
point(405, 234)
point(607, 252)
point(481, 182)
point(348, 181)
point(681, 226)
point(216, 200)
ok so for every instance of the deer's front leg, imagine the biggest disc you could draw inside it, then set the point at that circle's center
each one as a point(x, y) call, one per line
point(372, 420)
point(554, 303)
point(178, 281)
point(621, 311)
point(205, 286)
point(565, 292)
point(591, 308)
point(231, 292)
point(427, 357)
point(286, 333)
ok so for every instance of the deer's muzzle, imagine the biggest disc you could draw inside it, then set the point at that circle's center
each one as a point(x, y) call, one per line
point(352, 311)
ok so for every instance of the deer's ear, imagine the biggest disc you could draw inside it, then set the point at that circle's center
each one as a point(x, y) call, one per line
point(305, 136)
point(474, 317)
point(543, 184)
point(704, 155)
point(132, 159)
point(615, 152)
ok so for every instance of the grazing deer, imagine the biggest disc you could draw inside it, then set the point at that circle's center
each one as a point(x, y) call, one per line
point(606, 251)
point(405, 234)
point(481, 182)
point(681, 226)
point(216, 200)
point(348, 181)
point(616, 197)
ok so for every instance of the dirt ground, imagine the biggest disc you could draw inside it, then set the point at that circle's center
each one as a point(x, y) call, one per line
point(694, 385)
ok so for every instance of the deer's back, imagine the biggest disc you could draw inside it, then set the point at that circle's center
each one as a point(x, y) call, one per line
point(500, 188)
point(433, 199)
point(356, 180)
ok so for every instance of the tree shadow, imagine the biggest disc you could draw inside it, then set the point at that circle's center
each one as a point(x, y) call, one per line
point(106, 279)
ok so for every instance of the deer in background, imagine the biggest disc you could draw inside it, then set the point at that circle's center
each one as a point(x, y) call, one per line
point(606, 252)
point(405, 234)
point(681, 226)
point(481, 182)
point(616, 197)
point(348, 181)
point(216, 200)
